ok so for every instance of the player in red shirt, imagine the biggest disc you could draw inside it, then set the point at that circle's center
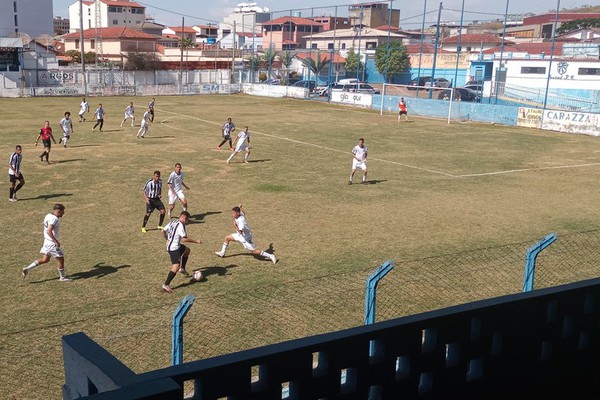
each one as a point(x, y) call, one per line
point(46, 135)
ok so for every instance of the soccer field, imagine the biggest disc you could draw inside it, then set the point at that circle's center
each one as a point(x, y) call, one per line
point(433, 189)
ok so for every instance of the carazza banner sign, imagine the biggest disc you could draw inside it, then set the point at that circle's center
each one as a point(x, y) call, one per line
point(561, 121)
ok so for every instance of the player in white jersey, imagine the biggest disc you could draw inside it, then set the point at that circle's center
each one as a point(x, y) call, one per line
point(176, 185)
point(359, 154)
point(51, 247)
point(175, 233)
point(151, 108)
point(66, 124)
point(243, 235)
point(129, 114)
point(83, 108)
point(145, 123)
point(242, 143)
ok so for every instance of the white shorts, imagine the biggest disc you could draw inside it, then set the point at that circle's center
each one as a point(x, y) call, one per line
point(51, 250)
point(359, 164)
point(174, 196)
point(241, 146)
point(129, 116)
point(248, 245)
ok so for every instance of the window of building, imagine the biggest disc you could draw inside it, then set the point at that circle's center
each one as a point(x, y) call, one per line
point(92, 43)
point(329, 46)
point(343, 46)
point(314, 46)
point(533, 70)
point(371, 45)
point(115, 22)
point(112, 9)
point(468, 48)
point(76, 43)
point(588, 71)
point(16, 21)
point(15, 6)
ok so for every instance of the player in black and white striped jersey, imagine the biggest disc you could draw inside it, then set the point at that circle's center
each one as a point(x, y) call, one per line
point(175, 233)
point(227, 130)
point(152, 191)
point(14, 173)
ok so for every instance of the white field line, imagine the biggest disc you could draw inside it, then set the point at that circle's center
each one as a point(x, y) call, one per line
point(511, 171)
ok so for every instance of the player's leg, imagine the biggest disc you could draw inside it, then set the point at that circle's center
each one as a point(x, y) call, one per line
point(351, 175)
point(228, 239)
point(60, 266)
point(184, 259)
point(230, 144)
point(149, 209)
point(172, 273)
point(183, 200)
point(265, 255)
point(364, 179)
point(223, 142)
point(47, 151)
point(172, 200)
point(133, 120)
point(21, 179)
point(13, 182)
point(399, 115)
point(65, 139)
point(247, 155)
point(232, 155)
point(42, 260)
point(161, 218)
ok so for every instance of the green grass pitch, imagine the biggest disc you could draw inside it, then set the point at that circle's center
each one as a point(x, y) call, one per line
point(433, 188)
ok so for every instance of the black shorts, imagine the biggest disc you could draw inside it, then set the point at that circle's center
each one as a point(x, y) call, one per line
point(177, 254)
point(402, 113)
point(13, 178)
point(154, 204)
point(46, 143)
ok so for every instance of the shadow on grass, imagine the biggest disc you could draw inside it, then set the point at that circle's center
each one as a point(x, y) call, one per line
point(370, 182)
point(158, 137)
point(85, 145)
point(106, 130)
point(199, 218)
point(47, 196)
point(206, 272)
point(98, 271)
point(259, 161)
point(67, 161)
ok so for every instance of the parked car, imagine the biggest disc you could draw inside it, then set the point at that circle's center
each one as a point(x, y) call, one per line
point(474, 87)
point(474, 82)
point(310, 85)
point(360, 88)
point(421, 81)
point(441, 83)
point(460, 94)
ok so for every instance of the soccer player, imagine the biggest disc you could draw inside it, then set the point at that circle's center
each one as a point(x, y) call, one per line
point(129, 113)
point(46, 135)
point(176, 185)
point(14, 173)
point(243, 235)
point(145, 123)
point(227, 130)
point(83, 108)
point(99, 115)
point(242, 143)
point(151, 108)
point(402, 109)
point(51, 246)
point(66, 125)
point(175, 233)
point(359, 154)
point(152, 191)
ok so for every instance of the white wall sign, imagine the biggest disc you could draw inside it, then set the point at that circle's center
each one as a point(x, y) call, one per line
point(355, 99)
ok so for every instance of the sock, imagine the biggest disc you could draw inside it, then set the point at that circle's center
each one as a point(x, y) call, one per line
point(183, 262)
point(61, 273)
point(231, 156)
point(145, 220)
point(12, 191)
point(246, 157)
point(65, 140)
point(170, 277)
point(184, 208)
point(351, 178)
point(224, 248)
point(364, 178)
point(161, 219)
point(264, 255)
point(33, 265)
point(43, 154)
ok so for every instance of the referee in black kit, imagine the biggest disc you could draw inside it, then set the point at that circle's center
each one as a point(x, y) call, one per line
point(152, 192)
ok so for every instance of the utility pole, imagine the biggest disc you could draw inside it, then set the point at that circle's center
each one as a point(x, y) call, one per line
point(435, 50)
point(181, 59)
point(81, 38)
point(233, 53)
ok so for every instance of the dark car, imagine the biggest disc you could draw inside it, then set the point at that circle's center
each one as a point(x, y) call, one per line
point(460, 94)
point(440, 83)
point(420, 81)
point(474, 87)
point(310, 85)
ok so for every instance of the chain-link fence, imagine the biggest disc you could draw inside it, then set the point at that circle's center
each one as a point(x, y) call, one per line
point(31, 361)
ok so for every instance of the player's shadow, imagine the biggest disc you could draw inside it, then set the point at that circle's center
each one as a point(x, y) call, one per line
point(107, 130)
point(85, 145)
point(259, 161)
point(375, 181)
point(159, 137)
point(67, 161)
point(208, 271)
point(199, 218)
point(47, 196)
point(98, 271)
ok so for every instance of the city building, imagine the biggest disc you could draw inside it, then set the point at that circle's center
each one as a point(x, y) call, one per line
point(116, 42)
point(542, 26)
point(288, 33)
point(112, 13)
point(61, 26)
point(372, 14)
point(177, 32)
point(473, 42)
point(206, 33)
point(330, 23)
point(353, 38)
point(26, 17)
point(246, 17)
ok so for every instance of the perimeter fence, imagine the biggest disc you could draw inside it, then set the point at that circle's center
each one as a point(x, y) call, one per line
point(232, 321)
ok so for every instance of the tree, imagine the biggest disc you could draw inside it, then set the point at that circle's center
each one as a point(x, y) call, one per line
point(315, 65)
point(185, 43)
point(391, 59)
point(578, 24)
point(90, 56)
point(286, 59)
point(268, 57)
point(353, 63)
point(140, 62)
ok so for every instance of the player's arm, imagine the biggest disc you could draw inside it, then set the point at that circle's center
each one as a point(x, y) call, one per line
point(50, 232)
point(170, 188)
point(190, 240)
point(164, 232)
point(145, 195)
point(185, 186)
point(52, 137)
point(38, 138)
point(12, 167)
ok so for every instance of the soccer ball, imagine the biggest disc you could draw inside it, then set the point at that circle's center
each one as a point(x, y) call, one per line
point(197, 275)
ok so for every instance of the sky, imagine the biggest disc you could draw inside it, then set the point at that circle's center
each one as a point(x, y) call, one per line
point(411, 11)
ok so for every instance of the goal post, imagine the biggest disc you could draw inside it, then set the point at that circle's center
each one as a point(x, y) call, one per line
point(391, 94)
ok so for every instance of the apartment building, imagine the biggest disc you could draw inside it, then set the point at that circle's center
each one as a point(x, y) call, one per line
point(17, 18)
point(123, 13)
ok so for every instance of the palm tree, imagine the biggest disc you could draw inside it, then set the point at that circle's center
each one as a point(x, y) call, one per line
point(268, 57)
point(286, 59)
point(316, 66)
